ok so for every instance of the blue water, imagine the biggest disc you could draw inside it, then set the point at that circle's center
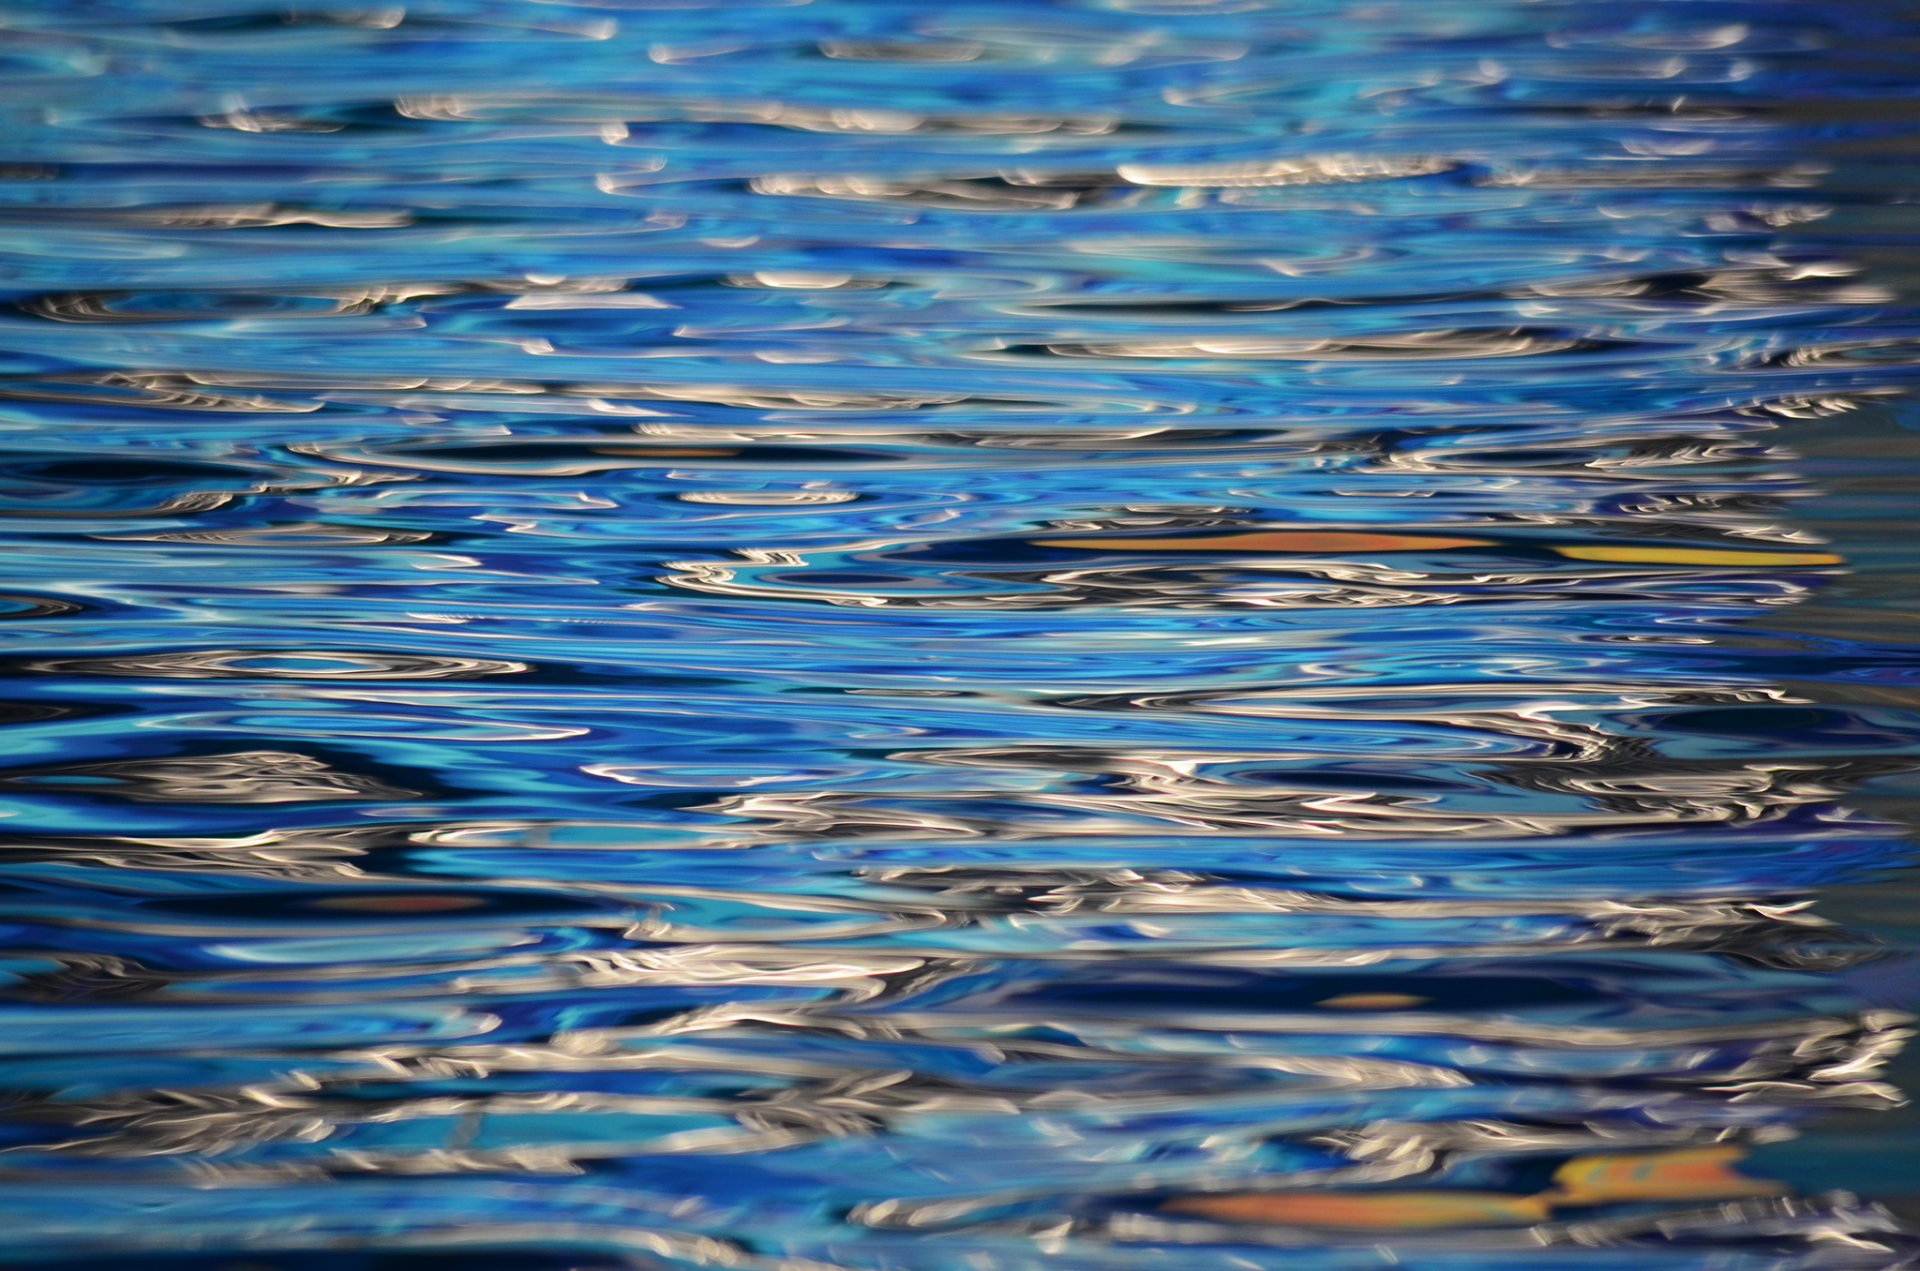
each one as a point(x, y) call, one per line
point(1143, 634)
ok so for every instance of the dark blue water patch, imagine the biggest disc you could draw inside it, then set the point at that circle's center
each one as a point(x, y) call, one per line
point(1102, 634)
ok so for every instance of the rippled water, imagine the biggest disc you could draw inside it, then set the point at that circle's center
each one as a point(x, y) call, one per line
point(879, 635)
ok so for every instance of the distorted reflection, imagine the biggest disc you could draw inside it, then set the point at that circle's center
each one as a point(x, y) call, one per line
point(1101, 634)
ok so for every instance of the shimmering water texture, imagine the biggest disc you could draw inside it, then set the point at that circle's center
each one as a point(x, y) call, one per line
point(905, 637)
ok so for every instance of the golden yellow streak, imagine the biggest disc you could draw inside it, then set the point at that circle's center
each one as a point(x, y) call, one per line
point(1272, 541)
point(1685, 1174)
point(1640, 554)
point(1374, 1002)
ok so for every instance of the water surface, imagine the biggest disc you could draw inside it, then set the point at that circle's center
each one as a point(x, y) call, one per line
point(889, 636)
